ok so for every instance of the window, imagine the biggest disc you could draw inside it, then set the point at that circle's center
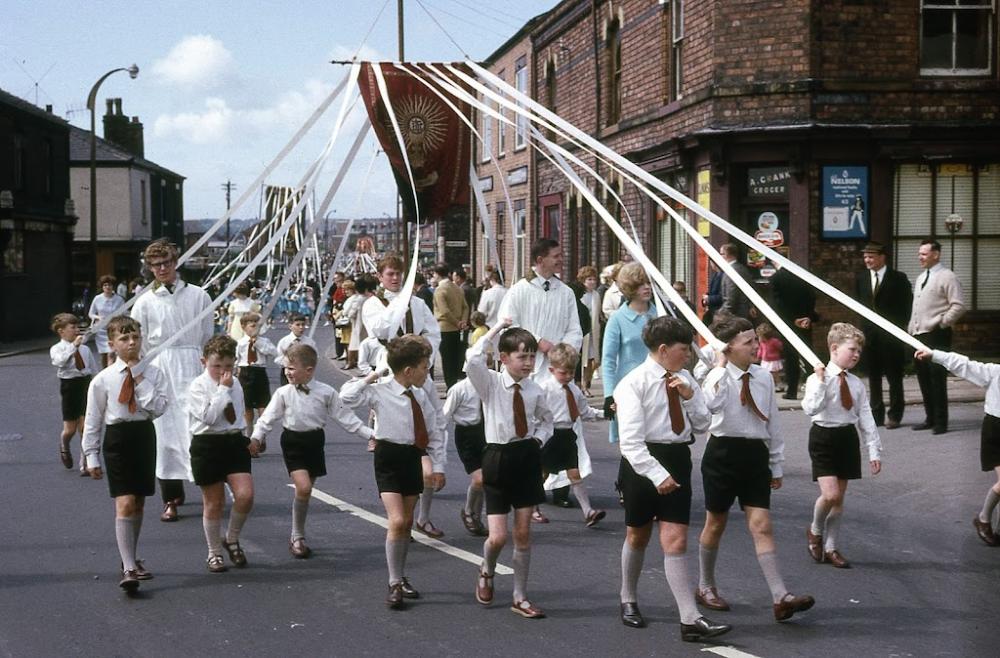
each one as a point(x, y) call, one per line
point(501, 128)
point(521, 83)
point(676, 77)
point(13, 252)
point(19, 162)
point(487, 132)
point(550, 94)
point(613, 44)
point(674, 245)
point(956, 37)
point(925, 196)
point(143, 215)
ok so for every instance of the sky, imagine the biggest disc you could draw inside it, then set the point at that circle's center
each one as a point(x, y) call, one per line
point(223, 86)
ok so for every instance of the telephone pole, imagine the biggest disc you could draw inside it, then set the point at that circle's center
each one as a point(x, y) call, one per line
point(228, 186)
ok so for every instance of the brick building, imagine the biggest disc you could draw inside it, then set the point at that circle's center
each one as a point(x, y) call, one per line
point(816, 125)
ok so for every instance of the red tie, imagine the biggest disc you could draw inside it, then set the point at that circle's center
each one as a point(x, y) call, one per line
point(420, 437)
point(845, 391)
point(574, 411)
point(230, 413)
point(252, 352)
point(520, 417)
point(674, 407)
point(78, 361)
point(746, 398)
point(127, 394)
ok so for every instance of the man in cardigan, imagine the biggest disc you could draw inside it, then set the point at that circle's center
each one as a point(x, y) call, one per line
point(937, 305)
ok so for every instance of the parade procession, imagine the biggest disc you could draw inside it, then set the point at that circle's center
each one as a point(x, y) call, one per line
point(504, 294)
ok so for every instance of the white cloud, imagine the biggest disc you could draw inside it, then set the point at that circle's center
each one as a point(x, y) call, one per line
point(209, 127)
point(197, 61)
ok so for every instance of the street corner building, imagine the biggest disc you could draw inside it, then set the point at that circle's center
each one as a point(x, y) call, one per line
point(814, 127)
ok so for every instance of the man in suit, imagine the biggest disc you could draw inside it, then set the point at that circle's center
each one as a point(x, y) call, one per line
point(795, 302)
point(889, 293)
point(938, 303)
point(733, 299)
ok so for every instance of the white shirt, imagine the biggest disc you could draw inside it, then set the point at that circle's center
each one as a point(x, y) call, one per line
point(496, 389)
point(555, 400)
point(980, 374)
point(369, 353)
point(163, 314)
point(103, 407)
point(822, 402)
point(262, 346)
point(286, 342)
point(302, 412)
point(489, 303)
point(206, 406)
point(394, 414)
point(644, 416)
point(62, 358)
point(730, 418)
point(878, 276)
point(463, 405)
point(385, 322)
point(924, 279)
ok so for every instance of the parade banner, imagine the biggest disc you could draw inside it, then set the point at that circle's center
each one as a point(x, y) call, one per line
point(436, 142)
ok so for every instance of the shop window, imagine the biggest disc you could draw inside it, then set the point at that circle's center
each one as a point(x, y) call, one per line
point(613, 45)
point(957, 37)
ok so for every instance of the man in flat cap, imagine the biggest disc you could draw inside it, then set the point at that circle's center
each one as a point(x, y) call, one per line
point(889, 293)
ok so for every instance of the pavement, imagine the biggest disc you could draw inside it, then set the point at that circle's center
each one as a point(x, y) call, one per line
point(922, 582)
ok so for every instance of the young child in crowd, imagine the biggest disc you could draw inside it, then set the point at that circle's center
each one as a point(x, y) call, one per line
point(407, 428)
point(75, 366)
point(122, 401)
point(479, 328)
point(252, 351)
point(838, 403)
point(220, 451)
point(464, 408)
point(769, 352)
point(302, 407)
point(297, 323)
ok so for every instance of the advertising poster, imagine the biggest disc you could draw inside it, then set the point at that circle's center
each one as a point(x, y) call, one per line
point(845, 203)
point(771, 230)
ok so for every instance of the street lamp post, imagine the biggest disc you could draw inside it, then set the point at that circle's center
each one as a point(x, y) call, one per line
point(133, 72)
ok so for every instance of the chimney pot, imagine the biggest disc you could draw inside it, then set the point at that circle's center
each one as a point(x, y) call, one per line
point(111, 106)
point(118, 106)
point(135, 119)
point(48, 108)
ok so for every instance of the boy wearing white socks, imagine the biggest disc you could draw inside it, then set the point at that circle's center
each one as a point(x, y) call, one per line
point(464, 408)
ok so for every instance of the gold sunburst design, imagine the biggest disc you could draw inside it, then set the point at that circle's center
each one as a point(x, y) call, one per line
point(422, 122)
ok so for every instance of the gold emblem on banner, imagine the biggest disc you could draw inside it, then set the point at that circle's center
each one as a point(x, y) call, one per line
point(424, 126)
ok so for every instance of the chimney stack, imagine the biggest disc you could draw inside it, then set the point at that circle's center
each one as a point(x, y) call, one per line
point(120, 131)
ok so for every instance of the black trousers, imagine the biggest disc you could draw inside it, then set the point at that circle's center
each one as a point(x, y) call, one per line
point(172, 490)
point(933, 379)
point(884, 357)
point(792, 360)
point(452, 357)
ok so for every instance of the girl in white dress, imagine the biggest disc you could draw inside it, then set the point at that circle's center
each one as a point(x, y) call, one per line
point(103, 306)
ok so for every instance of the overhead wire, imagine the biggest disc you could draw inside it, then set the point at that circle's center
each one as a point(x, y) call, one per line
point(441, 27)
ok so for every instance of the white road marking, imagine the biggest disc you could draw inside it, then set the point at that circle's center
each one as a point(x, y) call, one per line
point(729, 652)
point(345, 506)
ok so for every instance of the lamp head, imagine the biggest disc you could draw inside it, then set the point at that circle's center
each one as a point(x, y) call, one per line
point(133, 71)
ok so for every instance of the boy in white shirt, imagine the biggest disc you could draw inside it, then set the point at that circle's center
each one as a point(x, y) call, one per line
point(122, 401)
point(567, 403)
point(742, 461)
point(302, 407)
point(659, 408)
point(406, 427)
point(464, 408)
point(296, 335)
point(220, 452)
point(75, 365)
point(252, 351)
point(517, 426)
point(838, 404)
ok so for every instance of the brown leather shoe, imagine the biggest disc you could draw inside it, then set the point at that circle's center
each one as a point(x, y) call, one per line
point(815, 545)
point(985, 532)
point(892, 424)
point(484, 588)
point(791, 604)
point(215, 564)
point(709, 598)
point(836, 559)
point(527, 610)
point(595, 517)
point(394, 599)
point(129, 581)
point(236, 554)
point(65, 456)
point(429, 529)
point(298, 548)
point(469, 521)
point(169, 512)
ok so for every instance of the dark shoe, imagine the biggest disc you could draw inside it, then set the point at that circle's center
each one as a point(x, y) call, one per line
point(215, 564)
point(815, 545)
point(631, 615)
point(560, 497)
point(65, 456)
point(538, 517)
point(395, 597)
point(836, 559)
point(169, 512)
point(891, 424)
point(527, 610)
point(408, 591)
point(484, 588)
point(469, 521)
point(923, 426)
point(792, 604)
point(702, 629)
point(939, 430)
point(481, 530)
point(298, 548)
point(429, 530)
point(790, 395)
point(140, 571)
point(236, 554)
point(594, 517)
point(985, 532)
point(129, 581)
point(709, 598)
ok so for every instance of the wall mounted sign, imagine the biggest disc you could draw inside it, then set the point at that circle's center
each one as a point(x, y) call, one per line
point(845, 203)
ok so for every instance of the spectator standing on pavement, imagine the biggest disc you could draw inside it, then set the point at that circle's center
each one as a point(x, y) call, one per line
point(889, 293)
point(461, 279)
point(492, 297)
point(733, 299)
point(590, 356)
point(452, 311)
point(938, 303)
point(422, 290)
point(613, 297)
point(795, 302)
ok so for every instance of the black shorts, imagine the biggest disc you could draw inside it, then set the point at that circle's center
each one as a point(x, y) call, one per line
point(398, 468)
point(643, 503)
point(130, 458)
point(73, 393)
point(989, 443)
point(560, 453)
point(835, 451)
point(303, 451)
point(216, 456)
point(256, 387)
point(470, 441)
point(512, 476)
point(736, 468)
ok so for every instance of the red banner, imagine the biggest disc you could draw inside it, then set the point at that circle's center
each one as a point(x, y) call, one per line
point(437, 141)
